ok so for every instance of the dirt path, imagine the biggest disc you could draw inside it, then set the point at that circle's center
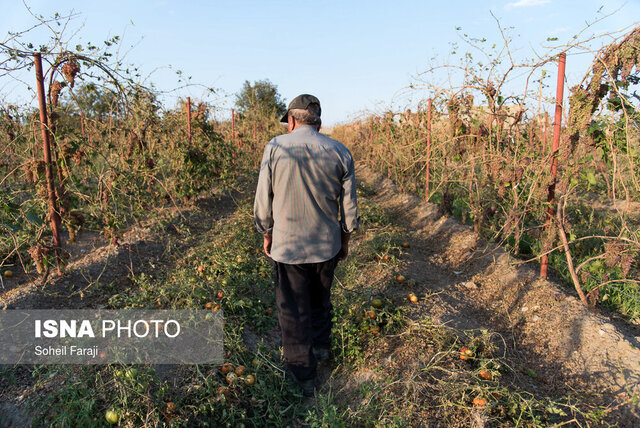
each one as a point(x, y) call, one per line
point(474, 286)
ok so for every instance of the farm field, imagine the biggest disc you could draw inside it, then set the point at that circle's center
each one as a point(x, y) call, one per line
point(401, 365)
point(494, 280)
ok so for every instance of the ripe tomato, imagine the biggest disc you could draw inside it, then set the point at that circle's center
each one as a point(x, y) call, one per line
point(479, 402)
point(223, 391)
point(231, 377)
point(485, 374)
point(465, 353)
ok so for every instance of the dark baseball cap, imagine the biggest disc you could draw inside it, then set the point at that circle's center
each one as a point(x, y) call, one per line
point(300, 102)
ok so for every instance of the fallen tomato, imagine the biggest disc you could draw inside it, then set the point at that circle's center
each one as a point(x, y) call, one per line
point(479, 402)
point(485, 374)
point(131, 373)
point(223, 391)
point(112, 416)
point(231, 377)
point(250, 380)
point(465, 353)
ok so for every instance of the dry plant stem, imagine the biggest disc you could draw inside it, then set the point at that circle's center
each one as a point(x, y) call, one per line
point(53, 209)
point(567, 253)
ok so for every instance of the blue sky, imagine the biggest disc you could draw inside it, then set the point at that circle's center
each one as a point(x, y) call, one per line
point(356, 56)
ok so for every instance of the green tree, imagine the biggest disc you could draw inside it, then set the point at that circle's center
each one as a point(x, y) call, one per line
point(260, 99)
point(95, 101)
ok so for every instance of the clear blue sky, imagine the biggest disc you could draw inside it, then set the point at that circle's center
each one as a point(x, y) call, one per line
point(355, 56)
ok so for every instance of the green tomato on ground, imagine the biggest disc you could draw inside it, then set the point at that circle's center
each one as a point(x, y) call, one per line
point(112, 416)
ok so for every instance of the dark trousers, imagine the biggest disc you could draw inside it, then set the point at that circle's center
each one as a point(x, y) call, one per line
point(303, 299)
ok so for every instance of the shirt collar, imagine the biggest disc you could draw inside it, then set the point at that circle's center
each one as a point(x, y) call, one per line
point(305, 128)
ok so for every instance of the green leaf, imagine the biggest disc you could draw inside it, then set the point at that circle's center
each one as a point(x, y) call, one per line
point(556, 411)
point(34, 218)
point(12, 227)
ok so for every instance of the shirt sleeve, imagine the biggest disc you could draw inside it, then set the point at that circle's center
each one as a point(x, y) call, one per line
point(348, 199)
point(262, 209)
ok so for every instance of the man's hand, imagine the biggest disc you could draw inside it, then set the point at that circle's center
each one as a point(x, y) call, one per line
point(267, 244)
point(344, 249)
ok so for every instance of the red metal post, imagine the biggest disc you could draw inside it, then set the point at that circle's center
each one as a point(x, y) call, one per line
point(46, 148)
point(428, 178)
point(555, 145)
point(189, 118)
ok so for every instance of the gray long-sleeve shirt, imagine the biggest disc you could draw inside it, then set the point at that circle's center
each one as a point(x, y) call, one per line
point(306, 181)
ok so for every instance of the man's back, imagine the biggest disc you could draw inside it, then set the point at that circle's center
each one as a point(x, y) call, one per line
point(306, 181)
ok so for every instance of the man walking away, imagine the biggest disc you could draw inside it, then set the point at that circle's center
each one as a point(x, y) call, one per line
point(306, 209)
